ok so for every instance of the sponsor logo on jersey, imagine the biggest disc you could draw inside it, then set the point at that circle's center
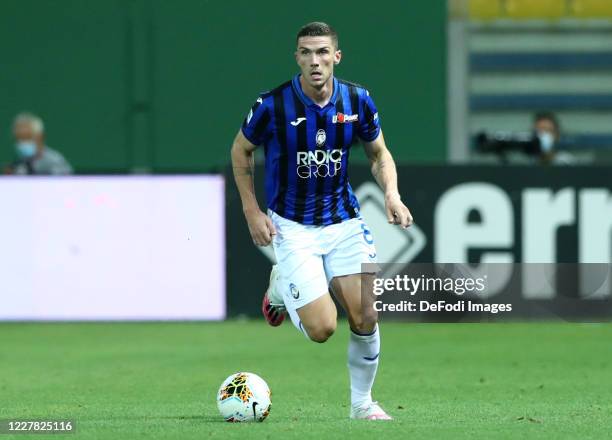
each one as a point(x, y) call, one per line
point(319, 163)
point(341, 118)
point(297, 121)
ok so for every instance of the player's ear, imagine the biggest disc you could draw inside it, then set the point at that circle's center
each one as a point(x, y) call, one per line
point(337, 56)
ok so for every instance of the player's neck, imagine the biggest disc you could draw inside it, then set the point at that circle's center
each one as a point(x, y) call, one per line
point(319, 96)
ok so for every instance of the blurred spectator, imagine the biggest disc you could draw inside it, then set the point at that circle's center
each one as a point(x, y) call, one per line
point(548, 130)
point(538, 146)
point(33, 155)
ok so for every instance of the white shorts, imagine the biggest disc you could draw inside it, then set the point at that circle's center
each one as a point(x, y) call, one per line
point(308, 257)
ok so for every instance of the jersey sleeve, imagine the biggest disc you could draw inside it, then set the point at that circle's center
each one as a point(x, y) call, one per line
point(369, 124)
point(256, 125)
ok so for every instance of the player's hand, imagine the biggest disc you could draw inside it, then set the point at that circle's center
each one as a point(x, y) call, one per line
point(397, 212)
point(261, 228)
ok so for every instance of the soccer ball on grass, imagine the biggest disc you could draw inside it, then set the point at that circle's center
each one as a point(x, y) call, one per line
point(244, 397)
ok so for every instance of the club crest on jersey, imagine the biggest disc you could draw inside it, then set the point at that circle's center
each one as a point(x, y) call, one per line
point(321, 137)
point(341, 118)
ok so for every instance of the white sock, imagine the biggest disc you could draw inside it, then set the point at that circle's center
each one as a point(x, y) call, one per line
point(363, 351)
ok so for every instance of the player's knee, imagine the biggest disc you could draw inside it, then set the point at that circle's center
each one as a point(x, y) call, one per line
point(323, 331)
point(364, 322)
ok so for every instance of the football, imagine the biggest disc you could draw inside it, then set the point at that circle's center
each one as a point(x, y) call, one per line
point(244, 397)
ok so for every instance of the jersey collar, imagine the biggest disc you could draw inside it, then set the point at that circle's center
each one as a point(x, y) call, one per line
point(306, 100)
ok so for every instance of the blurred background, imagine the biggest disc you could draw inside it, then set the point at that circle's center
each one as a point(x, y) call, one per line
point(498, 113)
point(153, 86)
point(510, 60)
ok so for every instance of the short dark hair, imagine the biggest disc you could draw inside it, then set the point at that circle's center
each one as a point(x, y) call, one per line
point(318, 29)
point(548, 116)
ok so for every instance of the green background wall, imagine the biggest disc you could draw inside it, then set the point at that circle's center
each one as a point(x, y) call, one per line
point(158, 85)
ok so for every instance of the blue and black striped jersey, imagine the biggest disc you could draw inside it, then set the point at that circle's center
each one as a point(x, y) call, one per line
point(307, 149)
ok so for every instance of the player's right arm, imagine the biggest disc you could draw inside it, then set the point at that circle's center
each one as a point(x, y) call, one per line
point(260, 225)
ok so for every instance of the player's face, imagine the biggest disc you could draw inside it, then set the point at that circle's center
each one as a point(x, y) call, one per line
point(316, 57)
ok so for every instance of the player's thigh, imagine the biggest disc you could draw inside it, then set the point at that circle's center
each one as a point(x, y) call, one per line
point(354, 292)
point(318, 318)
point(302, 280)
point(305, 294)
point(350, 268)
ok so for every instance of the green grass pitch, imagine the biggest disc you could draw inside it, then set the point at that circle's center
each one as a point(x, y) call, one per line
point(158, 380)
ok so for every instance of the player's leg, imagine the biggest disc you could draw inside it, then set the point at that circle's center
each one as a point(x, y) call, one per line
point(299, 280)
point(352, 247)
point(358, 302)
point(364, 342)
point(306, 298)
point(317, 319)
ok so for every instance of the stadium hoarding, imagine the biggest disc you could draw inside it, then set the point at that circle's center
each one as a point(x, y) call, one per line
point(112, 248)
point(463, 214)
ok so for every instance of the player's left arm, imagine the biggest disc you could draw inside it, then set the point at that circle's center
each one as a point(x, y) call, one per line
point(385, 173)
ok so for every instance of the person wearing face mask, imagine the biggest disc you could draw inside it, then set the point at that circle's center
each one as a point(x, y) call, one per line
point(34, 157)
point(539, 146)
point(547, 128)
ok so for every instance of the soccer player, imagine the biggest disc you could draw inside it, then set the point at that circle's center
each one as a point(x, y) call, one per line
point(307, 126)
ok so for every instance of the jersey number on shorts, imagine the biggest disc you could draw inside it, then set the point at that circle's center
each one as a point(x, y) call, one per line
point(367, 235)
